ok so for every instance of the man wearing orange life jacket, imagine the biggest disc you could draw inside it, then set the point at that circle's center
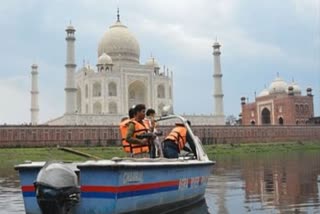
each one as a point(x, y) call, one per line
point(176, 141)
point(139, 147)
point(123, 131)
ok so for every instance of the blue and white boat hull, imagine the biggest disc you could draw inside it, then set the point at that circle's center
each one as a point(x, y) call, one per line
point(127, 186)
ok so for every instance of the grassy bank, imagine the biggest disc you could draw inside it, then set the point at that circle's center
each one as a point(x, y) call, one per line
point(12, 156)
point(231, 149)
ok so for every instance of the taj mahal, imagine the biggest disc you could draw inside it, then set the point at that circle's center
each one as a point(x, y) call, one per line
point(102, 94)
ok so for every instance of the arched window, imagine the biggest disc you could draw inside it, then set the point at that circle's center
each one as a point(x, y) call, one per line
point(96, 90)
point(301, 109)
point(112, 87)
point(253, 122)
point(170, 93)
point(160, 91)
point(113, 108)
point(97, 108)
point(87, 109)
point(280, 121)
point(87, 91)
point(265, 116)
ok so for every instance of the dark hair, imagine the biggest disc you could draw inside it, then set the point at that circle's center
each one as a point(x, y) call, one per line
point(139, 108)
point(182, 124)
point(131, 113)
point(150, 111)
point(123, 119)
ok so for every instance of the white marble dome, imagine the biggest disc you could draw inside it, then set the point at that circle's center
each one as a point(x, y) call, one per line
point(86, 69)
point(152, 62)
point(296, 88)
point(278, 86)
point(104, 59)
point(264, 92)
point(120, 44)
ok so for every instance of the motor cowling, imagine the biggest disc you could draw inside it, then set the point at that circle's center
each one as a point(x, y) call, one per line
point(57, 189)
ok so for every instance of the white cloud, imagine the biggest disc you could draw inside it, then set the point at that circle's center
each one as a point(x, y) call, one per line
point(198, 47)
point(307, 8)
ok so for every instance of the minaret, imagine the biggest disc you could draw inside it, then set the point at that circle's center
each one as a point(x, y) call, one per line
point(34, 95)
point(218, 114)
point(70, 89)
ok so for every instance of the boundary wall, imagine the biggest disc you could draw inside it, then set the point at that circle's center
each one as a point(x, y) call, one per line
point(51, 136)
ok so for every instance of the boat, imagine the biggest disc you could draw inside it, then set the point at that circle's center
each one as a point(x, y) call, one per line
point(118, 185)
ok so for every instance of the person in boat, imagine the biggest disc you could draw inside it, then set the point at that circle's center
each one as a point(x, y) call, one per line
point(139, 146)
point(155, 146)
point(176, 141)
point(123, 126)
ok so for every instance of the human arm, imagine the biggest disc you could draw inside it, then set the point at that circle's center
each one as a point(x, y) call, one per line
point(151, 123)
point(130, 136)
point(192, 147)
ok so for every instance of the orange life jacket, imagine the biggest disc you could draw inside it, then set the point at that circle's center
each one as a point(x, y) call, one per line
point(123, 132)
point(179, 136)
point(139, 129)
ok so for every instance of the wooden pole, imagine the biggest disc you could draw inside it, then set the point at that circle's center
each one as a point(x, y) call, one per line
point(77, 152)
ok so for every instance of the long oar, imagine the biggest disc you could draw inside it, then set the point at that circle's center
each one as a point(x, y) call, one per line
point(77, 152)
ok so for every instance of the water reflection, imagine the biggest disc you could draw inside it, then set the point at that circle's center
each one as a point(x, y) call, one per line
point(286, 183)
point(262, 183)
point(198, 208)
point(10, 193)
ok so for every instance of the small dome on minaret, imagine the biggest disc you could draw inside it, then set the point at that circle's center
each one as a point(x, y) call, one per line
point(70, 27)
point(216, 48)
point(216, 44)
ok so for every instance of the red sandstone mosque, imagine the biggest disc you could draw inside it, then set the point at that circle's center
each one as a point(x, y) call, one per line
point(280, 104)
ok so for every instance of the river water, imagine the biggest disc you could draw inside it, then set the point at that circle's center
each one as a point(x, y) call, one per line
point(252, 183)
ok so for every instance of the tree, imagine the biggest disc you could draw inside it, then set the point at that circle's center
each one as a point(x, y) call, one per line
point(231, 120)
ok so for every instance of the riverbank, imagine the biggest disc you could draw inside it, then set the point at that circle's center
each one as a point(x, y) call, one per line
point(232, 149)
point(12, 156)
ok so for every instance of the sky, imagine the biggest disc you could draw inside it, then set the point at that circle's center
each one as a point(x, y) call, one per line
point(259, 39)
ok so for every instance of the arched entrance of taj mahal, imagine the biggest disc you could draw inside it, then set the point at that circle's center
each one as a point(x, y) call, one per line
point(137, 93)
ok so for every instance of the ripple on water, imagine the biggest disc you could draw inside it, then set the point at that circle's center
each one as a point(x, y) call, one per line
point(11, 201)
point(14, 197)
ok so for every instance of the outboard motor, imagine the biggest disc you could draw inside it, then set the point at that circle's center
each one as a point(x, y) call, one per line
point(57, 189)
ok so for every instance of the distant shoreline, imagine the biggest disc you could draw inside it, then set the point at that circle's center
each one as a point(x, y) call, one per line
point(245, 148)
point(13, 156)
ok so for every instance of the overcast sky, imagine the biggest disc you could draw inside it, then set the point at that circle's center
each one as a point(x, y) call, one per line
point(259, 39)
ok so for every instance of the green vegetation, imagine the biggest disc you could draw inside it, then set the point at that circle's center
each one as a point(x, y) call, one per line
point(12, 156)
point(232, 149)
